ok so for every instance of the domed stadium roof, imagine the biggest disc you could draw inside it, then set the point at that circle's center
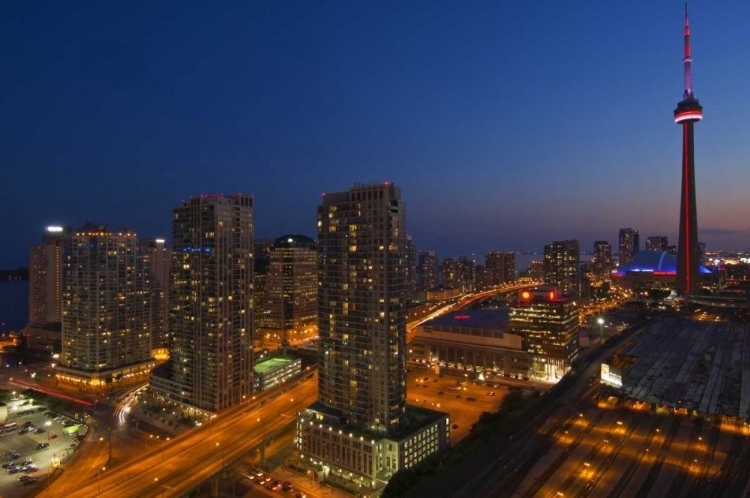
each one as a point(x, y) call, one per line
point(291, 240)
point(656, 262)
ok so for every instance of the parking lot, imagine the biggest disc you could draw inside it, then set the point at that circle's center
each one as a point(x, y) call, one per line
point(29, 453)
point(464, 402)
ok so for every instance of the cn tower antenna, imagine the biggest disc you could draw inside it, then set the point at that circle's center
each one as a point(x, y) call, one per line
point(688, 59)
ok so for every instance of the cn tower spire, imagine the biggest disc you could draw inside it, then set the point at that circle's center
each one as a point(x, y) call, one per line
point(688, 59)
point(688, 112)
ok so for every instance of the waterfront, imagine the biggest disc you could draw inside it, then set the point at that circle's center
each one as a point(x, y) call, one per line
point(14, 305)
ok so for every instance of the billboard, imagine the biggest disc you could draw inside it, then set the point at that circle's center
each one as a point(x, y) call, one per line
point(611, 375)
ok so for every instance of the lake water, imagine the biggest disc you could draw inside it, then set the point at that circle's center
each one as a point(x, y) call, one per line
point(14, 305)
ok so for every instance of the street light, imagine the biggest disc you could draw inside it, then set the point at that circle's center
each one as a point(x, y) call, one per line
point(99, 480)
point(47, 424)
point(162, 448)
point(222, 456)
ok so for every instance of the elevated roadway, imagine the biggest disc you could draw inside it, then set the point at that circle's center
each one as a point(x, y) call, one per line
point(181, 464)
point(178, 466)
point(464, 302)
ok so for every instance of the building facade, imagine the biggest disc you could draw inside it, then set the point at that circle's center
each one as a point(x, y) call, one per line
point(466, 274)
point(411, 268)
point(602, 263)
point(361, 314)
point(474, 342)
point(658, 243)
point(548, 323)
point(362, 327)
point(275, 371)
point(630, 243)
point(211, 312)
point(459, 274)
point(450, 273)
point(535, 271)
point(561, 267)
point(501, 267)
point(157, 258)
point(106, 307)
point(261, 267)
point(46, 266)
point(481, 277)
point(290, 291)
point(428, 271)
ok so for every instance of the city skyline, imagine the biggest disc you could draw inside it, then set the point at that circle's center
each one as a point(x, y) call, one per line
point(457, 115)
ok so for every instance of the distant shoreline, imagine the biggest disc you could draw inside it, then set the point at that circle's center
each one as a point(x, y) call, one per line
point(17, 274)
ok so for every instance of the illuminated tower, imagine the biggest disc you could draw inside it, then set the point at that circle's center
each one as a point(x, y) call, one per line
point(46, 278)
point(361, 306)
point(688, 112)
point(106, 328)
point(211, 304)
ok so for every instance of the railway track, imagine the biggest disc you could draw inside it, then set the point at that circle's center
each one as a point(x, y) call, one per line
point(616, 446)
point(688, 459)
point(551, 469)
point(653, 473)
point(701, 481)
point(645, 448)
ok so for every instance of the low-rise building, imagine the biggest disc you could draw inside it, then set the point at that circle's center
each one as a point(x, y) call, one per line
point(548, 323)
point(477, 342)
point(369, 458)
point(275, 370)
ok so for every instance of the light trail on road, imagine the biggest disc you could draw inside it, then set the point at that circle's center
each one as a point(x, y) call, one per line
point(179, 465)
point(48, 391)
point(127, 402)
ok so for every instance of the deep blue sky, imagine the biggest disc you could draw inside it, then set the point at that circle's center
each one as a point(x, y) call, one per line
point(507, 124)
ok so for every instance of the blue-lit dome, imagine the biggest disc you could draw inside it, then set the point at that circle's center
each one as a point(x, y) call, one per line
point(656, 262)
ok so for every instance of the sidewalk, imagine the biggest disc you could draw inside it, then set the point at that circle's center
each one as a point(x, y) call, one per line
point(276, 465)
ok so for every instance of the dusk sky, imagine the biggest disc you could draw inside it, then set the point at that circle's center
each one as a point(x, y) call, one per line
point(506, 124)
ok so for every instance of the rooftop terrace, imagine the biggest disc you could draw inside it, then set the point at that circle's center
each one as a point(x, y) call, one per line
point(272, 363)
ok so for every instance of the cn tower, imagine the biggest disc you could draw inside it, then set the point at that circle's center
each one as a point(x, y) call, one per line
point(688, 112)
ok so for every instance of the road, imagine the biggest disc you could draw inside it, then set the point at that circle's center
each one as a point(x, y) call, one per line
point(463, 302)
point(191, 458)
point(178, 465)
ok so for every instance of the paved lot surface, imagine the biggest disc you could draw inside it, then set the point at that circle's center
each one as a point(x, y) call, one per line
point(443, 394)
point(60, 446)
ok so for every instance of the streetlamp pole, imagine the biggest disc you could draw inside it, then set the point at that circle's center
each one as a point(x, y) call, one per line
point(263, 443)
point(162, 449)
point(222, 456)
point(109, 445)
point(99, 481)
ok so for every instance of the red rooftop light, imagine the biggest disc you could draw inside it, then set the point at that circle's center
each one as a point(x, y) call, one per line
point(461, 317)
